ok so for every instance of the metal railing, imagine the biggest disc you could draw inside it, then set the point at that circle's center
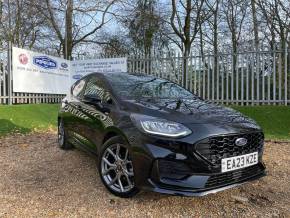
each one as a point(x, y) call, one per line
point(244, 78)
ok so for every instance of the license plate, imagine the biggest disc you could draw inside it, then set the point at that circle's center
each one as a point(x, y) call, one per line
point(238, 162)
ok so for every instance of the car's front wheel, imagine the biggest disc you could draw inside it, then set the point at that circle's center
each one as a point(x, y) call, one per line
point(116, 168)
point(62, 136)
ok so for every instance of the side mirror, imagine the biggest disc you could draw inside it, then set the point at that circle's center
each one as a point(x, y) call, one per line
point(109, 101)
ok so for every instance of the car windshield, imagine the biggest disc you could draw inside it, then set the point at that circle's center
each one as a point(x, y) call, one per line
point(136, 86)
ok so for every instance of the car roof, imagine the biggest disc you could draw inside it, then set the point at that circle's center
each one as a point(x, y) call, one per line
point(108, 74)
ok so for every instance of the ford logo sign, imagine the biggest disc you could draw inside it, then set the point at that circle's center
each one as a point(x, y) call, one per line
point(64, 65)
point(78, 76)
point(241, 141)
point(44, 62)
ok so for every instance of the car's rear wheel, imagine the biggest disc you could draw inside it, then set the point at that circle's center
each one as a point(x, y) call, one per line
point(62, 137)
point(116, 168)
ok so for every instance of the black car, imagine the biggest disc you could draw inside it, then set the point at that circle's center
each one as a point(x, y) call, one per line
point(151, 134)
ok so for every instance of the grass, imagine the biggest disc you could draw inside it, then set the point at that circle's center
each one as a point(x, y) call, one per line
point(27, 118)
point(275, 120)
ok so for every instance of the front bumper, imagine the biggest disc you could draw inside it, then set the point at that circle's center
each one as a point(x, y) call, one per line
point(200, 192)
point(173, 167)
point(200, 185)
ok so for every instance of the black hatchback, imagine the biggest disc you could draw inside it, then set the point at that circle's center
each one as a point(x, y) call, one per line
point(151, 134)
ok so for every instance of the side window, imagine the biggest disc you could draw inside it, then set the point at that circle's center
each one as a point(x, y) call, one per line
point(95, 87)
point(78, 88)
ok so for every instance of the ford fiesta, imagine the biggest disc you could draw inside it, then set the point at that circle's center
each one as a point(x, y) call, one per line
point(151, 134)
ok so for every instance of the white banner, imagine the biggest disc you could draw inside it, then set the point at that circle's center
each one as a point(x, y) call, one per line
point(81, 68)
point(38, 73)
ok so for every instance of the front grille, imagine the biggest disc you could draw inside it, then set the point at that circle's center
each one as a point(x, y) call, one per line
point(233, 177)
point(216, 148)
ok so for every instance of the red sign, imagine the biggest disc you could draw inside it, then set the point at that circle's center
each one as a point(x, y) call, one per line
point(23, 59)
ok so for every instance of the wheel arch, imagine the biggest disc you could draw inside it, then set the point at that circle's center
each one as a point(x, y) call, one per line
point(112, 132)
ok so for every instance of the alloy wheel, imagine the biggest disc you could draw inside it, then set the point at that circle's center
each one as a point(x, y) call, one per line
point(117, 168)
point(60, 133)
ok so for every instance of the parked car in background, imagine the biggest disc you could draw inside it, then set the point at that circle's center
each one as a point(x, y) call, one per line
point(151, 134)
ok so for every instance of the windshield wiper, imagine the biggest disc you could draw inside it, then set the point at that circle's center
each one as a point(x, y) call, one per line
point(178, 105)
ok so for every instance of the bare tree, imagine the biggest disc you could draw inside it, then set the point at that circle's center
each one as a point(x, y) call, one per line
point(20, 23)
point(213, 22)
point(68, 26)
point(142, 20)
point(276, 13)
point(83, 20)
point(255, 24)
point(235, 12)
point(115, 45)
point(186, 19)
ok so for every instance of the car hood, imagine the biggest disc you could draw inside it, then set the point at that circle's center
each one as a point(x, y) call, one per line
point(187, 111)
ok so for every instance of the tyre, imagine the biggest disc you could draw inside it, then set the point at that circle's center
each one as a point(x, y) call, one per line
point(62, 137)
point(116, 168)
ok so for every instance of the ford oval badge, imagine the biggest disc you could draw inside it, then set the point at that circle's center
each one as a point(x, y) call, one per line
point(64, 65)
point(78, 76)
point(44, 62)
point(241, 141)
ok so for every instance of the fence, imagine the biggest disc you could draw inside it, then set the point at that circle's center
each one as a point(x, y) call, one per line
point(246, 78)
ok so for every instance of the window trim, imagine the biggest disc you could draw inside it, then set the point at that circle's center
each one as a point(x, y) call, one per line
point(82, 92)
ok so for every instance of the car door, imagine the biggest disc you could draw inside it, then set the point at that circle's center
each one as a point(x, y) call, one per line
point(97, 112)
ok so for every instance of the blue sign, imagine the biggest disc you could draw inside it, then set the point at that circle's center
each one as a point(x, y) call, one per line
point(78, 76)
point(64, 65)
point(44, 62)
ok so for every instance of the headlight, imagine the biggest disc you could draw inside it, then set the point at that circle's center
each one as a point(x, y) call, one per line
point(160, 127)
